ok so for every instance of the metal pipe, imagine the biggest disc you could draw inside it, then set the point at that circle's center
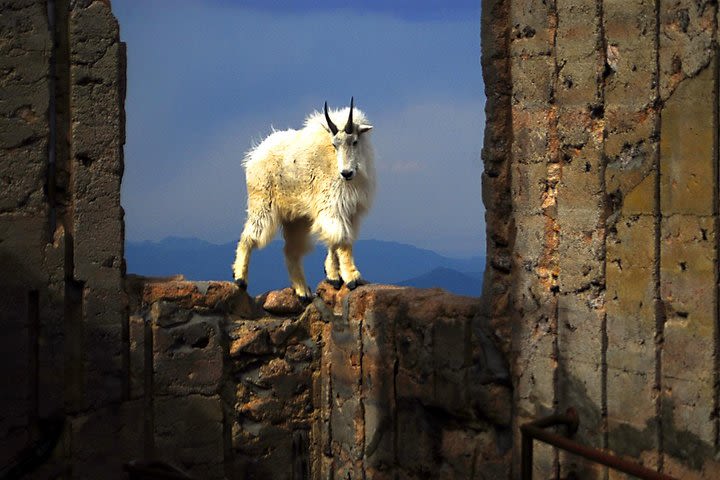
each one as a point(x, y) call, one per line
point(535, 431)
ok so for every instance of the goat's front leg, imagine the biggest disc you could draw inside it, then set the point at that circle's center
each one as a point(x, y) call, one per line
point(348, 270)
point(332, 269)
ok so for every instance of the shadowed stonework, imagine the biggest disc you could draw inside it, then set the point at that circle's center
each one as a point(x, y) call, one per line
point(600, 183)
point(373, 383)
point(601, 293)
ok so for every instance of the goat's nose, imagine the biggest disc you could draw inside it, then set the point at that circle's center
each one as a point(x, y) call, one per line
point(347, 174)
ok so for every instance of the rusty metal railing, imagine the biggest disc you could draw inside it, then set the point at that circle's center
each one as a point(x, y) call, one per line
point(535, 430)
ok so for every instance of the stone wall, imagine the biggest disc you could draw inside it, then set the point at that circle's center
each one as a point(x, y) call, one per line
point(376, 383)
point(62, 74)
point(601, 179)
point(412, 384)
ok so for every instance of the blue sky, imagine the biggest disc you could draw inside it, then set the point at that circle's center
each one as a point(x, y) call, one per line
point(206, 79)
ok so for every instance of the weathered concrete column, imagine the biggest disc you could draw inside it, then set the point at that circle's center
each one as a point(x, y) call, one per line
point(31, 250)
point(409, 392)
point(614, 199)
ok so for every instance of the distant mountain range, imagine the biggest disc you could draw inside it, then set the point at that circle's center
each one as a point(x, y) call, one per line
point(379, 261)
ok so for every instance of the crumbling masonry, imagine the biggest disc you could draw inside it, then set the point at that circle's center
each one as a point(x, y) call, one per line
point(601, 189)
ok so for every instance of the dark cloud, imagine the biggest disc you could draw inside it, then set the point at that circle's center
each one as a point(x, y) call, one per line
point(405, 9)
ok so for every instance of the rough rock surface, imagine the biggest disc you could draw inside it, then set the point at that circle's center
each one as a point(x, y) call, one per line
point(281, 302)
point(411, 383)
point(345, 386)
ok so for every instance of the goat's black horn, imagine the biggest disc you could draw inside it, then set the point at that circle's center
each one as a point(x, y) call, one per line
point(331, 125)
point(349, 124)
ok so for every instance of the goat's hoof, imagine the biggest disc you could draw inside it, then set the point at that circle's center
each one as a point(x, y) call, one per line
point(305, 299)
point(356, 283)
point(241, 284)
point(336, 284)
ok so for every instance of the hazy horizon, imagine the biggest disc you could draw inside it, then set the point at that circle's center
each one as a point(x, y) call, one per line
point(279, 239)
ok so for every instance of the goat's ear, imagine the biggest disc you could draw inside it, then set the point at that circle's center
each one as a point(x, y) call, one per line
point(364, 128)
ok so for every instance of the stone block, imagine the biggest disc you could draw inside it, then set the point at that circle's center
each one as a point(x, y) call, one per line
point(189, 433)
point(631, 399)
point(451, 359)
point(580, 253)
point(137, 328)
point(685, 42)
point(529, 188)
point(276, 460)
point(580, 184)
point(531, 32)
point(580, 386)
point(702, 466)
point(17, 379)
point(687, 276)
point(687, 273)
point(530, 238)
point(686, 410)
point(631, 86)
point(577, 86)
point(378, 362)
point(102, 364)
point(535, 380)
point(578, 29)
point(25, 49)
point(415, 442)
point(346, 423)
point(580, 327)
point(252, 337)
point(493, 32)
point(630, 179)
point(576, 122)
point(188, 358)
point(493, 402)
point(416, 375)
point(26, 234)
point(530, 130)
point(104, 439)
point(580, 217)
point(281, 302)
point(458, 448)
point(218, 297)
point(533, 79)
point(630, 293)
point(629, 34)
point(686, 147)
point(629, 146)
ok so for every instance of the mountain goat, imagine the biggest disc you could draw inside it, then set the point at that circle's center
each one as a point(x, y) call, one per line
point(318, 180)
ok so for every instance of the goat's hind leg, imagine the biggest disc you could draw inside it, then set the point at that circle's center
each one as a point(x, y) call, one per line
point(260, 227)
point(242, 259)
point(296, 235)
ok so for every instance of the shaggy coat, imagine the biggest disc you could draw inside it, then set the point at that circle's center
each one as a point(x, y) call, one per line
point(310, 181)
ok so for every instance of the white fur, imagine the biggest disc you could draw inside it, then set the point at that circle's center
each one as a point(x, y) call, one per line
point(294, 180)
